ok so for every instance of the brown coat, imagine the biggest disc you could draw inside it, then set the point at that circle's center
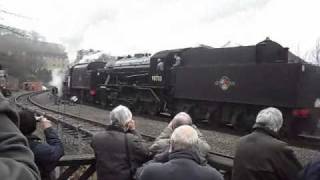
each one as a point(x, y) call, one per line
point(110, 151)
point(260, 156)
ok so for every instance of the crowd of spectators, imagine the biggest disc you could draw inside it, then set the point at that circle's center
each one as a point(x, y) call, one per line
point(180, 152)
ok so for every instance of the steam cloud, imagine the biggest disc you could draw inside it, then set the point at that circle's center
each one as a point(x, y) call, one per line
point(57, 79)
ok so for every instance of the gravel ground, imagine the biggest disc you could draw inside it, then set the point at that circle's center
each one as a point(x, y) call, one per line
point(220, 142)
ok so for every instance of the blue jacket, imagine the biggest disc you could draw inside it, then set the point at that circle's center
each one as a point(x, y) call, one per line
point(311, 171)
point(46, 154)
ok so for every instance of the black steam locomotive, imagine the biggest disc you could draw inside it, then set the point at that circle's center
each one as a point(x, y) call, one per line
point(221, 85)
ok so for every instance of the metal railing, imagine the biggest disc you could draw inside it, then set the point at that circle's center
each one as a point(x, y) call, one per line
point(82, 166)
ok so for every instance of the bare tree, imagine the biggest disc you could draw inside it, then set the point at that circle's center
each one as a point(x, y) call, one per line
point(315, 53)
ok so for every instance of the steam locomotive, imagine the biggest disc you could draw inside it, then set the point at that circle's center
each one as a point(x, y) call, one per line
point(220, 85)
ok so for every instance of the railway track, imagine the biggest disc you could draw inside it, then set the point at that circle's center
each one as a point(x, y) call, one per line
point(88, 127)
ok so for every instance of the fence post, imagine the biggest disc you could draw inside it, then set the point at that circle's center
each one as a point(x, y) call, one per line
point(79, 140)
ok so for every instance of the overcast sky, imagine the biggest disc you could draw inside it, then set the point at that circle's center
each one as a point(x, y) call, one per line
point(130, 26)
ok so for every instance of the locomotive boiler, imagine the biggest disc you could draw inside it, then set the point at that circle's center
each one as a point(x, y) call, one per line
point(220, 85)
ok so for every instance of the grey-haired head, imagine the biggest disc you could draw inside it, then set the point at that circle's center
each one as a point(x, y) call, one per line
point(270, 118)
point(181, 118)
point(120, 115)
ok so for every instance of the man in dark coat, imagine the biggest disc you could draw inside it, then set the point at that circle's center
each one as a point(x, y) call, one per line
point(261, 156)
point(16, 159)
point(184, 162)
point(54, 93)
point(46, 154)
point(119, 150)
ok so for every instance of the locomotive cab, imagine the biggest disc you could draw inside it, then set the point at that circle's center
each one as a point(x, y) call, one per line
point(157, 71)
point(162, 65)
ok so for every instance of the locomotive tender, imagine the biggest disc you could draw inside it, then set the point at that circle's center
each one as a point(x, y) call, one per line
point(222, 85)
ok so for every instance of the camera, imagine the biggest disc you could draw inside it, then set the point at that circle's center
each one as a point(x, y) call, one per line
point(38, 117)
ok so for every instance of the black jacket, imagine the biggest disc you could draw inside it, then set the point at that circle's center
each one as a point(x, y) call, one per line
point(16, 159)
point(46, 154)
point(261, 156)
point(182, 165)
point(112, 161)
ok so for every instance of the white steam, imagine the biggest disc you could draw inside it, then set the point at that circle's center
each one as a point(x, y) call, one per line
point(57, 80)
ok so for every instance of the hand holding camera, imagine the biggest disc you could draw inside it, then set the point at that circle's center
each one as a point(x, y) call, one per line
point(130, 125)
point(44, 122)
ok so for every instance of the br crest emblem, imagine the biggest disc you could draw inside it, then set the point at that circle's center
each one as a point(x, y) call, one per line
point(224, 83)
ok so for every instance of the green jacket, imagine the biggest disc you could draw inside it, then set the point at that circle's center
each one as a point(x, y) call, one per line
point(162, 142)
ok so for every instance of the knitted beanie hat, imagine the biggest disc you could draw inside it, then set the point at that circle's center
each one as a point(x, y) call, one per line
point(28, 123)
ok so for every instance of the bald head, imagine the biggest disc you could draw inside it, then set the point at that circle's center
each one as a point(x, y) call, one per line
point(180, 119)
point(183, 137)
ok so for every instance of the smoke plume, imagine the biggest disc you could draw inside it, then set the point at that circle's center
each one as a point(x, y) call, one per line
point(57, 79)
